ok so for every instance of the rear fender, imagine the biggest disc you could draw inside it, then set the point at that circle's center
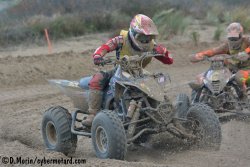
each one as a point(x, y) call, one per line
point(72, 89)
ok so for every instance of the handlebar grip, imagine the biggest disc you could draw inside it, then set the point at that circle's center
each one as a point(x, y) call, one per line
point(107, 61)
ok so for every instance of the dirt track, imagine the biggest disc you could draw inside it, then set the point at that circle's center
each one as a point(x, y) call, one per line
point(25, 95)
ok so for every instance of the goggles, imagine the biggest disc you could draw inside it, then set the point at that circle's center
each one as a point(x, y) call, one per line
point(144, 38)
point(234, 38)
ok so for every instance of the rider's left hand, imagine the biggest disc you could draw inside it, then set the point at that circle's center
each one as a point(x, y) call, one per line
point(196, 57)
point(159, 49)
point(242, 56)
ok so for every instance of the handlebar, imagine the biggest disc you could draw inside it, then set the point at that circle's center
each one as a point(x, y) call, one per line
point(219, 57)
point(126, 58)
point(108, 62)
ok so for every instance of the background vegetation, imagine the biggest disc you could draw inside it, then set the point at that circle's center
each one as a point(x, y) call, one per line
point(25, 20)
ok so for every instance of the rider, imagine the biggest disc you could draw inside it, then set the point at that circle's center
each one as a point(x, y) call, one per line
point(138, 39)
point(236, 44)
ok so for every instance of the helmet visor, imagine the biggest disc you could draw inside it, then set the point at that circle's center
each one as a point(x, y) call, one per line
point(233, 38)
point(144, 38)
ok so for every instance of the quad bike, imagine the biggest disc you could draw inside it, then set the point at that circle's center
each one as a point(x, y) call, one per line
point(135, 106)
point(220, 90)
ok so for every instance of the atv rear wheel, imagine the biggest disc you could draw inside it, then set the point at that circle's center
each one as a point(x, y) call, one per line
point(56, 131)
point(108, 136)
point(205, 126)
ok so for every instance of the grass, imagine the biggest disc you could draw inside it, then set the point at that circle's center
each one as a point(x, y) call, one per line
point(195, 36)
point(241, 15)
point(60, 26)
point(220, 14)
point(218, 32)
point(26, 20)
point(171, 22)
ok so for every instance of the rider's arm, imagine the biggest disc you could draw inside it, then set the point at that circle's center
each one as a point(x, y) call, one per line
point(109, 46)
point(166, 59)
point(247, 50)
point(222, 49)
point(244, 55)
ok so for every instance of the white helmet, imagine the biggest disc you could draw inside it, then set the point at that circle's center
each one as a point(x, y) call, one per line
point(234, 36)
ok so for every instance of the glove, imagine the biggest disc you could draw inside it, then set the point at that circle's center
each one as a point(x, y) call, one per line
point(159, 49)
point(242, 56)
point(98, 60)
point(196, 57)
point(166, 58)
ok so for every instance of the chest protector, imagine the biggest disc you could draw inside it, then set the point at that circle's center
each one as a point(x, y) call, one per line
point(128, 50)
point(239, 64)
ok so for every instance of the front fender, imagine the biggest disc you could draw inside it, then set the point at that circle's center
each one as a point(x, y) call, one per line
point(149, 87)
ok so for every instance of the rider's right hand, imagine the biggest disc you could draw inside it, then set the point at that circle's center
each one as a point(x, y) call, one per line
point(98, 60)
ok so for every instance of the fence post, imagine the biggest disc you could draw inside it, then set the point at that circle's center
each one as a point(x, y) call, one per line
point(48, 40)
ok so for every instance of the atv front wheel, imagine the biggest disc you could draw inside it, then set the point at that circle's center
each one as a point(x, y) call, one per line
point(205, 126)
point(183, 104)
point(108, 136)
point(56, 131)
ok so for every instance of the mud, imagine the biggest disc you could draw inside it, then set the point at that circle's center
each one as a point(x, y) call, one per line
point(25, 95)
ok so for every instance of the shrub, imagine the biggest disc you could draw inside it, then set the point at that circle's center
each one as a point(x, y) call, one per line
point(217, 33)
point(195, 36)
point(120, 20)
point(241, 15)
point(59, 26)
point(216, 14)
point(171, 22)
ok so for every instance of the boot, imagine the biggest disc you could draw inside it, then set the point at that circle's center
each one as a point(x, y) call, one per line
point(95, 102)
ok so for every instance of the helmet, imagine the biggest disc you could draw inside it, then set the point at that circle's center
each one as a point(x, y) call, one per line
point(234, 36)
point(142, 31)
